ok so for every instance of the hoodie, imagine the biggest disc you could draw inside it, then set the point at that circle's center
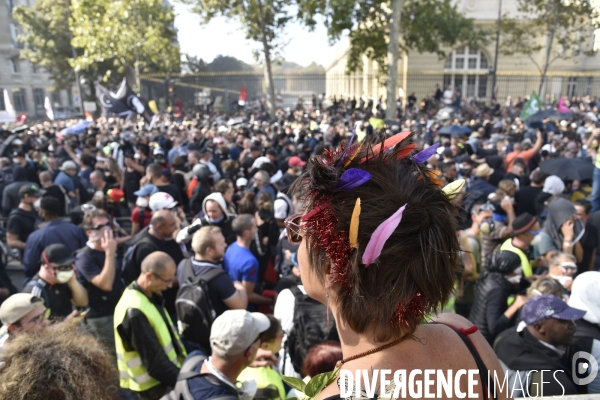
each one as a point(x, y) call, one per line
point(185, 235)
point(10, 195)
point(559, 211)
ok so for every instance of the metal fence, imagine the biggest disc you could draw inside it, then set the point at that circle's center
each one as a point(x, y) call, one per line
point(225, 87)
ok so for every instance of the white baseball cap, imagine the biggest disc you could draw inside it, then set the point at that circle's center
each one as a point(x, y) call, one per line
point(161, 200)
point(235, 330)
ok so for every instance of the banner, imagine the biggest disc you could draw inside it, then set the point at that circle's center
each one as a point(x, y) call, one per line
point(133, 102)
point(9, 114)
point(48, 107)
point(111, 103)
point(532, 106)
point(243, 96)
point(562, 106)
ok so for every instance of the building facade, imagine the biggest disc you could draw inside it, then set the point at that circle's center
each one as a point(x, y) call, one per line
point(27, 84)
point(470, 67)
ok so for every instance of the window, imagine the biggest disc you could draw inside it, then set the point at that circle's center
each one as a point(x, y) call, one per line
point(572, 87)
point(14, 34)
point(14, 65)
point(9, 6)
point(465, 66)
point(34, 68)
point(2, 105)
point(70, 97)
point(38, 98)
point(55, 99)
point(19, 100)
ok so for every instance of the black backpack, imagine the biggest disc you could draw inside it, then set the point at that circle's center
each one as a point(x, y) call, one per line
point(182, 390)
point(129, 270)
point(195, 312)
point(310, 327)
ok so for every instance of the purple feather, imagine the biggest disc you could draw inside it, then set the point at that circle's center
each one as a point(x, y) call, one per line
point(347, 147)
point(352, 178)
point(380, 236)
point(424, 155)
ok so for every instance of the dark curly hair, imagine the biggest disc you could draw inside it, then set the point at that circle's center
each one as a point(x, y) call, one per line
point(416, 270)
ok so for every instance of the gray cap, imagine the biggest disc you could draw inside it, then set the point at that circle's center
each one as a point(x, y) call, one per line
point(68, 165)
point(16, 307)
point(235, 330)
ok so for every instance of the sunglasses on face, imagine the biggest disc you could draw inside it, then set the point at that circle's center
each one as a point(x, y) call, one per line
point(167, 281)
point(100, 226)
point(62, 267)
point(293, 228)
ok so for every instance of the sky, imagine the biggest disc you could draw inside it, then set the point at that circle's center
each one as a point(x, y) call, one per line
point(226, 38)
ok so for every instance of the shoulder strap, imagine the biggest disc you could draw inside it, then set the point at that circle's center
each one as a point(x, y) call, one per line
point(483, 370)
point(212, 274)
point(298, 295)
point(188, 270)
point(90, 252)
point(38, 285)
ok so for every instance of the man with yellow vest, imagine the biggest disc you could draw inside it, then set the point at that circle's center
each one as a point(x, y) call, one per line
point(149, 351)
point(525, 228)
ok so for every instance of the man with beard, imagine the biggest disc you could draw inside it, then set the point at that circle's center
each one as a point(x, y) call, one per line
point(529, 352)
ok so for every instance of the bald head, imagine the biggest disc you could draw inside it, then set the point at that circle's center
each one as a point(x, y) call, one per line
point(157, 262)
point(164, 223)
point(45, 176)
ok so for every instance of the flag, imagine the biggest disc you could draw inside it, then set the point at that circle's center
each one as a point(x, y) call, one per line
point(133, 102)
point(110, 102)
point(48, 108)
point(243, 96)
point(9, 114)
point(532, 106)
point(562, 106)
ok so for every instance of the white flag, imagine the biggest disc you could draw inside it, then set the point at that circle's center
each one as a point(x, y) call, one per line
point(9, 114)
point(48, 107)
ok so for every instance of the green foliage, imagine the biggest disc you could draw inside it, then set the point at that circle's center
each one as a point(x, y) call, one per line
point(126, 32)
point(315, 385)
point(108, 37)
point(46, 36)
point(425, 26)
point(563, 29)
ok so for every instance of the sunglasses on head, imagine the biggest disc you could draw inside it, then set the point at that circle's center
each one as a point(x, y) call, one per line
point(293, 228)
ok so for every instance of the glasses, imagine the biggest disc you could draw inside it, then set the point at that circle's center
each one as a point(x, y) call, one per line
point(167, 281)
point(62, 267)
point(293, 229)
point(100, 226)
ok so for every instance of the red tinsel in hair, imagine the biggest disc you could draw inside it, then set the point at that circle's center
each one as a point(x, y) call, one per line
point(321, 230)
point(411, 312)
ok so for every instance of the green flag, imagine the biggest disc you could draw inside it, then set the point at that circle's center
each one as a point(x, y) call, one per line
point(532, 106)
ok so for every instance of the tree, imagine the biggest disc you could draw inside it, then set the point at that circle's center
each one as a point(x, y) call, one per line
point(193, 64)
point(263, 22)
point(566, 27)
point(380, 29)
point(109, 38)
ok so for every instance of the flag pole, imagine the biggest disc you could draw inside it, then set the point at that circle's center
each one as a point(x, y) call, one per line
point(74, 53)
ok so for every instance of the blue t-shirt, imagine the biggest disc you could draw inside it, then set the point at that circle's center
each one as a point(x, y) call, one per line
point(240, 264)
point(65, 180)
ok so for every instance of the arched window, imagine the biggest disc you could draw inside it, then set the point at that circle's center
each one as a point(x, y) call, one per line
point(464, 68)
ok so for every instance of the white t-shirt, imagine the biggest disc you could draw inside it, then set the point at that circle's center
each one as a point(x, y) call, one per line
point(284, 312)
point(283, 206)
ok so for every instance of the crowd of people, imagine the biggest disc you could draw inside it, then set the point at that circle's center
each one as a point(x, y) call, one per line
point(207, 256)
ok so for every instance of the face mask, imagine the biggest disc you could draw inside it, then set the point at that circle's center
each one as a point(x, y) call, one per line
point(536, 240)
point(514, 279)
point(563, 279)
point(64, 276)
point(136, 156)
point(37, 203)
point(215, 221)
point(141, 202)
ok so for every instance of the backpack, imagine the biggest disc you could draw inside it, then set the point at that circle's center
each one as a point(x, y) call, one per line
point(195, 312)
point(310, 327)
point(182, 389)
point(38, 285)
point(129, 270)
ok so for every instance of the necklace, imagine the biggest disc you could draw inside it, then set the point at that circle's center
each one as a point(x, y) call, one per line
point(366, 353)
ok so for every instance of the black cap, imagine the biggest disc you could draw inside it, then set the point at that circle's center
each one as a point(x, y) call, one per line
point(523, 223)
point(19, 153)
point(31, 190)
point(57, 253)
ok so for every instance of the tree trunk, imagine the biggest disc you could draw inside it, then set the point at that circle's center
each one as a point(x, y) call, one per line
point(546, 65)
point(267, 64)
point(392, 59)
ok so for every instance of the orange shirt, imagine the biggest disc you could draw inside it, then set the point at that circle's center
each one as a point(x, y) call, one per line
point(192, 186)
point(510, 158)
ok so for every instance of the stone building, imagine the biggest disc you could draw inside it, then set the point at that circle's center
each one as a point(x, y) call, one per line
point(470, 67)
point(27, 85)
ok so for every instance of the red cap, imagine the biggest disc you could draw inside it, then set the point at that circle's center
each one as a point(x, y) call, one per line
point(295, 161)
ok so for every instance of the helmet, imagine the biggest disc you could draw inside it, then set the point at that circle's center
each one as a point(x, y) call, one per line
point(202, 172)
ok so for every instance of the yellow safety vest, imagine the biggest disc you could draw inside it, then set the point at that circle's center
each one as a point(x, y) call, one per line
point(525, 265)
point(264, 378)
point(133, 374)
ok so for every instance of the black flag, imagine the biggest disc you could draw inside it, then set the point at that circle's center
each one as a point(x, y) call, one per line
point(133, 102)
point(110, 102)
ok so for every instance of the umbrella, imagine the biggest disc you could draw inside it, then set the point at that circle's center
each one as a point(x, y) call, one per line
point(445, 113)
point(6, 148)
point(455, 129)
point(77, 129)
point(568, 169)
point(592, 117)
point(550, 113)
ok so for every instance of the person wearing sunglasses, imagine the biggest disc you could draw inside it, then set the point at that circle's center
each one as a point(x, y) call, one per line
point(378, 246)
point(149, 350)
point(56, 282)
point(21, 312)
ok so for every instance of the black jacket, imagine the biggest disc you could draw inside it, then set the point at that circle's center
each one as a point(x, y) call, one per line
point(10, 195)
point(521, 351)
point(491, 293)
point(137, 334)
